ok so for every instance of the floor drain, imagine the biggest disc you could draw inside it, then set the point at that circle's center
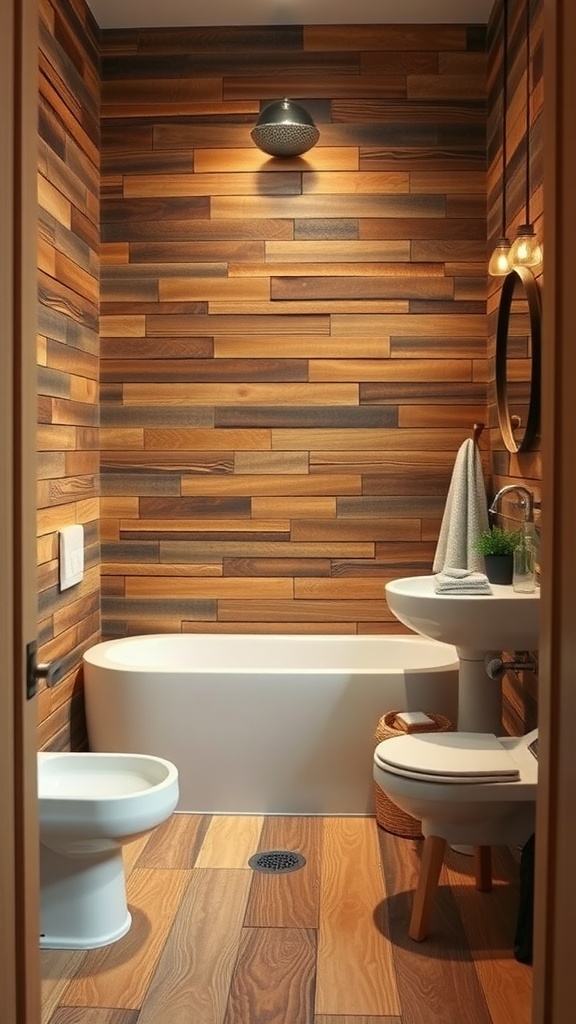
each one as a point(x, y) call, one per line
point(277, 861)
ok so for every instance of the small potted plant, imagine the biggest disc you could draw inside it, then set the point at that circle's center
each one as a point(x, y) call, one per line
point(497, 547)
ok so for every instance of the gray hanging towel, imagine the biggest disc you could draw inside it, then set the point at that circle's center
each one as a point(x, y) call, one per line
point(465, 514)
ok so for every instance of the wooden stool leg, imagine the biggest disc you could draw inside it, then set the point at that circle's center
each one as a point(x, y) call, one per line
point(483, 868)
point(432, 858)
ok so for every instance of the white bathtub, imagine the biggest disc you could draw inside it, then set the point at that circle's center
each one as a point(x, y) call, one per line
point(265, 724)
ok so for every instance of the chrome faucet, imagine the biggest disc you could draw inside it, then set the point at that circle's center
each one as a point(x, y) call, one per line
point(525, 501)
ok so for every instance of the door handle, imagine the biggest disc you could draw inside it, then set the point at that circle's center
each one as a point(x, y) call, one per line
point(51, 671)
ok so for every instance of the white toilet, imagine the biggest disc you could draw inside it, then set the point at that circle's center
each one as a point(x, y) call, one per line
point(89, 805)
point(466, 788)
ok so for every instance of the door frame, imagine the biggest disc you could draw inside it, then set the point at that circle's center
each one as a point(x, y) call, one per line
point(19, 875)
point(555, 911)
point(556, 824)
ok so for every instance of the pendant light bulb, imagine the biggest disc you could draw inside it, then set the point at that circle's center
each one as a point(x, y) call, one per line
point(525, 250)
point(499, 264)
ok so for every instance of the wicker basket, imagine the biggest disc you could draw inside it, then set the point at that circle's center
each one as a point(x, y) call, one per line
point(388, 815)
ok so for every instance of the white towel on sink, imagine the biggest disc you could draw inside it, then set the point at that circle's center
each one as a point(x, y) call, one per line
point(461, 581)
point(465, 514)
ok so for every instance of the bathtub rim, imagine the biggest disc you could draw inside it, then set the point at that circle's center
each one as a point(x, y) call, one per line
point(98, 657)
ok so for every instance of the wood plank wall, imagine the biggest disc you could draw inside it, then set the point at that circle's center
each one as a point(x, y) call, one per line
point(292, 351)
point(68, 343)
point(520, 704)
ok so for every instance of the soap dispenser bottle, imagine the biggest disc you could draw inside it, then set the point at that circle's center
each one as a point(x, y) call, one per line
point(524, 574)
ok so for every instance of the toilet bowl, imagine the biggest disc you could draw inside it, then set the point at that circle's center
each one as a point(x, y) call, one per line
point(89, 806)
point(466, 788)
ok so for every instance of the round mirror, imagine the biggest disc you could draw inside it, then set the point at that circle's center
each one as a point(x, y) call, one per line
point(518, 360)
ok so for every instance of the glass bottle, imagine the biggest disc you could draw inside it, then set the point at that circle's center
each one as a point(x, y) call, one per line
point(524, 574)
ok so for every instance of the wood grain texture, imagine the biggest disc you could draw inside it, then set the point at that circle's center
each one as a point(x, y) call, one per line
point(119, 975)
point(68, 185)
point(258, 315)
point(236, 952)
point(437, 978)
point(290, 900)
point(274, 977)
point(506, 982)
point(229, 841)
point(355, 972)
point(175, 843)
point(92, 1015)
point(193, 979)
point(322, 1018)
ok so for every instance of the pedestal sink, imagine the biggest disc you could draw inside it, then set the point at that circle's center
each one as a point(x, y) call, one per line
point(476, 624)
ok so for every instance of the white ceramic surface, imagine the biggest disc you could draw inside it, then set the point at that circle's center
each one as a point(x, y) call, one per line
point(503, 620)
point(271, 724)
point(89, 805)
point(92, 796)
point(478, 813)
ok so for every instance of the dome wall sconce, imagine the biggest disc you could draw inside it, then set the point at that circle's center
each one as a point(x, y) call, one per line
point(285, 128)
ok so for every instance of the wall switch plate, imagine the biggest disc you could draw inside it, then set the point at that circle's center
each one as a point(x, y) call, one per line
point(71, 555)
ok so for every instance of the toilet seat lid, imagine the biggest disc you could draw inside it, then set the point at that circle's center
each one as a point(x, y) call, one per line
point(454, 756)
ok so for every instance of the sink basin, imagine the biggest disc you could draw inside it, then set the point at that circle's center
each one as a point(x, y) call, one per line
point(501, 621)
point(476, 625)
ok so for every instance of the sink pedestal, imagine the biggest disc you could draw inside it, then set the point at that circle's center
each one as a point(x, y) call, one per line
point(479, 697)
point(476, 625)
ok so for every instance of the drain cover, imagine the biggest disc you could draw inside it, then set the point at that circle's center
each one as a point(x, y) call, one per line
point(277, 861)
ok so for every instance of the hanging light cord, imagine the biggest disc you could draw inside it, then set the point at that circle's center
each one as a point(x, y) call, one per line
point(527, 111)
point(504, 111)
point(525, 250)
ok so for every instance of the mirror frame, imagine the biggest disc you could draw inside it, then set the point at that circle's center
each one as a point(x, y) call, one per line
point(532, 292)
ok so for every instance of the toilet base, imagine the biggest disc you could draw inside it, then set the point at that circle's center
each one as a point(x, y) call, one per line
point(82, 899)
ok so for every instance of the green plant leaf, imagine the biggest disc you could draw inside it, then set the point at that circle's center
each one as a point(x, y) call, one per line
point(498, 541)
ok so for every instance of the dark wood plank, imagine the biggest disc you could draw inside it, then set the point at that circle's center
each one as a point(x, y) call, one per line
point(197, 369)
point(274, 977)
point(295, 288)
point(437, 978)
point(290, 900)
point(385, 37)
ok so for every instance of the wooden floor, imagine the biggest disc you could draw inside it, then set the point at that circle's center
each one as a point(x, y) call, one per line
point(213, 942)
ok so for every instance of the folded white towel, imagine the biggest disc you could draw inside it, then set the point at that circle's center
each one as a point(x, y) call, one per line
point(461, 581)
point(465, 513)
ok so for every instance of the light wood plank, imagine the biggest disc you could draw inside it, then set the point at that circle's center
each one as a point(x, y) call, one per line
point(92, 1015)
point(246, 346)
point(203, 526)
point(209, 588)
point(321, 158)
point(345, 251)
point(289, 484)
point(356, 183)
point(175, 843)
point(230, 841)
point(390, 370)
point(193, 977)
point(131, 852)
point(204, 289)
point(355, 970)
point(424, 897)
point(248, 393)
point(119, 975)
point(328, 269)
